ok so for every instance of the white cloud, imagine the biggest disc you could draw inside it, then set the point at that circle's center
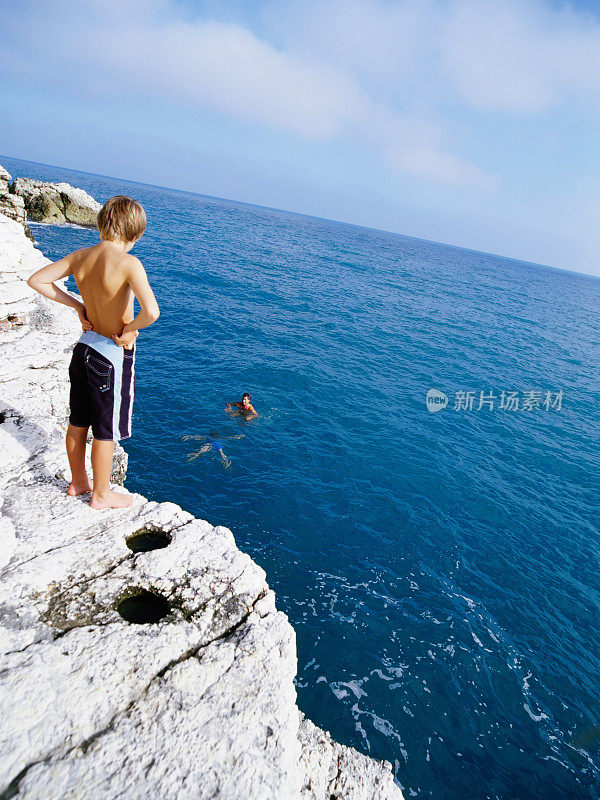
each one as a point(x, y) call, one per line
point(381, 41)
point(523, 57)
point(205, 63)
point(112, 49)
point(230, 69)
point(504, 55)
point(435, 164)
point(386, 74)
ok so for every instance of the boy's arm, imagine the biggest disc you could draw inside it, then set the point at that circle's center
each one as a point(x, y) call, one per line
point(149, 310)
point(43, 282)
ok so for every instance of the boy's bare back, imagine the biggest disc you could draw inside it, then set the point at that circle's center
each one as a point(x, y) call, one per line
point(104, 274)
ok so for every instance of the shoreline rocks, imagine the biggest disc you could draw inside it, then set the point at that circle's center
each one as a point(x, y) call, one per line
point(164, 673)
point(24, 199)
point(55, 202)
point(11, 204)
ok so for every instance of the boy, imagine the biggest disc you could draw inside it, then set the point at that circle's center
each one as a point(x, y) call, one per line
point(102, 366)
point(244, 407)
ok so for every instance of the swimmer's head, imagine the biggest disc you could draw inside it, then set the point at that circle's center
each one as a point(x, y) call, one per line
point(246, 398)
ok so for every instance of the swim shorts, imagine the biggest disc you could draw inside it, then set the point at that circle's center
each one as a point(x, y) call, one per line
point(102, 376)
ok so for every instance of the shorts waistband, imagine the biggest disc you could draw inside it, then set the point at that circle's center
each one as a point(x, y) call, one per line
point(102, 344)
point(92, 338)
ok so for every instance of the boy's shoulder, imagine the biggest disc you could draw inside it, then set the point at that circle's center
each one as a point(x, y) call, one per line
point(126, 262)
point(77, 255)
point(132, 262)
point(77, 258)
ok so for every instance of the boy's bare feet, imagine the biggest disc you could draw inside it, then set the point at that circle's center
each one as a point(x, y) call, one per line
point(111, 500)
point(75, 489)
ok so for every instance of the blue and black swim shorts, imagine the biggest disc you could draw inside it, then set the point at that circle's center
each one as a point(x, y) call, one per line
point(102, 376)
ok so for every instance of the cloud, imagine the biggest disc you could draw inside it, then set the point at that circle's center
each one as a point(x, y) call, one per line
point(205, 63)
point(382, 41)
point(393, 76)
point(524, 57)
point(440, 166)
point(108, 49)
point(498, 55)
point(229, 69)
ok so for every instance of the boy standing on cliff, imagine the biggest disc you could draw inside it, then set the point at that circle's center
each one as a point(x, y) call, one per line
point(102, 366)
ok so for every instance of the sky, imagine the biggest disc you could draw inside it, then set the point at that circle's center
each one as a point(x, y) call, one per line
point(470, 122)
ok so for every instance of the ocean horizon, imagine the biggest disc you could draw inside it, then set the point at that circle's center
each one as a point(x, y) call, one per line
point(132, 182)
point(437, 558)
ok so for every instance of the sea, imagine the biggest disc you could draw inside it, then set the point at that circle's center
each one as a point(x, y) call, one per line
point(420, 485)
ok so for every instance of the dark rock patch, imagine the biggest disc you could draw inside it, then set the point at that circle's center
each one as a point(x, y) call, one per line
point(147, 539)
point(143, 607)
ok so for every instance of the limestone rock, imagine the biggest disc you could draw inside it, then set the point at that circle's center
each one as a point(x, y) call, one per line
point(142, 653)
point(56, 202)
point(17, 254)
point(333, 770)
point(11, 205)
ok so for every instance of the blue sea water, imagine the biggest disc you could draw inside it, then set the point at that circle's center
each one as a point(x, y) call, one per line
point(440, 569)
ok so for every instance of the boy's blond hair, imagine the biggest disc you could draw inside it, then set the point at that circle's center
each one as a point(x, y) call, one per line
point(121, 218)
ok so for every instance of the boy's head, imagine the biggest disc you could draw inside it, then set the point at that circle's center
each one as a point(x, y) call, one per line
point(245, 396)
point(121, 218)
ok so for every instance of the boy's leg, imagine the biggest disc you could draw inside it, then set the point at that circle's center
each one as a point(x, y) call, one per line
point(103, 496)
point(75, 441)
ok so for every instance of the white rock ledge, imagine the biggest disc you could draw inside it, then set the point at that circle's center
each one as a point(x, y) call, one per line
point(200, 704)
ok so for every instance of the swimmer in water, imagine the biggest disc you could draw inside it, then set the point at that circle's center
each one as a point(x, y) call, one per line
point(213, 444)
point(242, 407)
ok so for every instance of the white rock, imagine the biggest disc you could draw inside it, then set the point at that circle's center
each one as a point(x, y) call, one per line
point(11, 204)
point(17, 253)
point(13, 291)
point(334, 770)
point(8, 540)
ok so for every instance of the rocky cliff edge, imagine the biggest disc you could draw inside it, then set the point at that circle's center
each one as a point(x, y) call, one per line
point(142, 654)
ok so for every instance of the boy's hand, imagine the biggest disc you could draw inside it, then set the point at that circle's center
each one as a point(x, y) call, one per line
point(126, 340)
point(85, 323)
